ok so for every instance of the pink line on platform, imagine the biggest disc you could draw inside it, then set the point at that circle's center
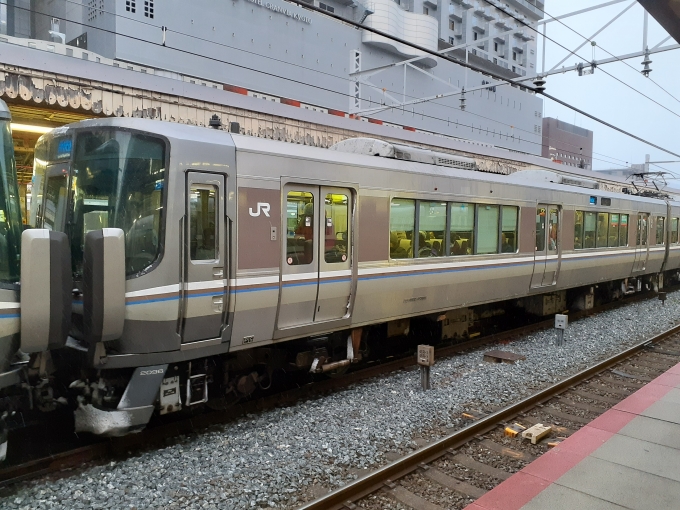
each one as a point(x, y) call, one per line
point(522, 487)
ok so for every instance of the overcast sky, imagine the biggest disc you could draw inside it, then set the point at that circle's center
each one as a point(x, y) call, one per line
point(603, 96)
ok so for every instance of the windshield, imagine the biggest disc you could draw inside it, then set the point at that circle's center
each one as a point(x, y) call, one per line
point(116, 180)
point(10, 211)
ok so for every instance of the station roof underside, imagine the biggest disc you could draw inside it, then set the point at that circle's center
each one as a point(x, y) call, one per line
point(667, 13)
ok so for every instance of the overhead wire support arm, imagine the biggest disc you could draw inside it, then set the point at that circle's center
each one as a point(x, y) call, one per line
point(467, 65)
point(589, 39)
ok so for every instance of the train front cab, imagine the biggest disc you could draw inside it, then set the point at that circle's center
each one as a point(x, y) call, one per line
point(150, 242)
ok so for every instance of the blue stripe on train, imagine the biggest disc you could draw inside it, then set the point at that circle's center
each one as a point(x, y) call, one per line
point(422, 272)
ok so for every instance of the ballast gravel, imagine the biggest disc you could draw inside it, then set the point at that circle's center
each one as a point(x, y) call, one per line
point(284, 457)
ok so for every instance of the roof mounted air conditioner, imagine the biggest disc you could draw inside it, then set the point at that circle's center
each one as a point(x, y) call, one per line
point(375, 147)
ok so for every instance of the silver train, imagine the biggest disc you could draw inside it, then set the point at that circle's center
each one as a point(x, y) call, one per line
point(203, 261)
point(34, 298)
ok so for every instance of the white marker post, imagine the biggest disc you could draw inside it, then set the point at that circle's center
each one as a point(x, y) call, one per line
point(561, 322)
point(425, 360)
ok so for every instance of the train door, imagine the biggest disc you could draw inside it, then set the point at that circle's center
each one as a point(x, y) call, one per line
point(204, 285)
point(641, 243)
point(546, 256)
point(317, 262)
point(335, 265)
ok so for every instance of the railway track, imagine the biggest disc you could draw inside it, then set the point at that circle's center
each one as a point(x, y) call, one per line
point(60, 463)
point(459, 468)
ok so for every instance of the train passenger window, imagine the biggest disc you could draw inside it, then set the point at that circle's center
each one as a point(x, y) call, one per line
point(578, 230)
point(300, 228)
point(509, 229)
point(402, 226)
point(432, 226)
point(553, 221)
point(540, 228)
point(674, 230)
point(487, 228)
point(623, 230)
point(202, 223)
point(336, 208)
point(462, 229)
point(589, 227)
point(602, 228)
point(660, 231)
point(613, 230)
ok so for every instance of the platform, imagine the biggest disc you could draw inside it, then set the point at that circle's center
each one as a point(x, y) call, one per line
point(629, 457)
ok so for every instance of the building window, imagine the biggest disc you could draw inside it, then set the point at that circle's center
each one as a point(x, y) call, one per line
point(513, 69)
point(130, 6)
point(148, 8)
point(495, 60)
point(514, 55)
point(325, 7)
point(452, 41)
point(452, 25)
point(426, 10)
point(495, 46)
point(475, 35)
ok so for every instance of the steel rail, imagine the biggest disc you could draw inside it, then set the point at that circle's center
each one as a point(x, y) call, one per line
point(372, 482)
point(156, 435)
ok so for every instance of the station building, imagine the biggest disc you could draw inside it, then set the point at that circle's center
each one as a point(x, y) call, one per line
point(279, 69)
point(567, 143)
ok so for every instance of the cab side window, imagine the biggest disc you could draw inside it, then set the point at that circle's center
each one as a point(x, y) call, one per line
point(202, 223)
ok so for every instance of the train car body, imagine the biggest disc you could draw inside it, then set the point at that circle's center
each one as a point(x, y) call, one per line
point(236, 246)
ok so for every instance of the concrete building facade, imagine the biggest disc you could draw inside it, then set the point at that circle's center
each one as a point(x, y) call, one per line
point(281, 51)
point(567, 144)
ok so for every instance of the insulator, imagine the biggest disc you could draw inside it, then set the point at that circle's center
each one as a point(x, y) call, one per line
point(539, 84)
point(646, 63)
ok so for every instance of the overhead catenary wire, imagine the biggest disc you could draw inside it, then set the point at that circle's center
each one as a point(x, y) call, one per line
point(576, 55)
point(396, 39)
point(422, 115)
point(344, 79)
point(605, 50)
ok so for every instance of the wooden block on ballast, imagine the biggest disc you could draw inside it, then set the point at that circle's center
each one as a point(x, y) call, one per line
point(537, 432)
point(502, 357)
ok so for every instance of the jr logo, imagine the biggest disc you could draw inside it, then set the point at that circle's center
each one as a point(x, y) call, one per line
point(262, 207)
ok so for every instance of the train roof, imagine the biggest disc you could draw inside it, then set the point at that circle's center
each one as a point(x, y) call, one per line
point(532, 175)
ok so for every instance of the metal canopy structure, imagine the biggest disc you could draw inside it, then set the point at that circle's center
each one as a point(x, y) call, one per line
point(538, 29)
point(667, 13)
